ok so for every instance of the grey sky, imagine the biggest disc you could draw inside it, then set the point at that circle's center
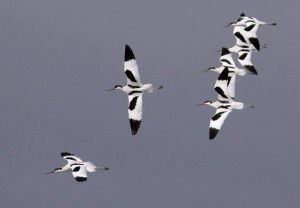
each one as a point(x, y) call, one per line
point(57, 57)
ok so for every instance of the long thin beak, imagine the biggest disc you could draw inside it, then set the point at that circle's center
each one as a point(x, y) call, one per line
point(50, 172)
point(235, 24)
point(266, 23)
point(205, 71)
point(111, 89)
point(200, 104)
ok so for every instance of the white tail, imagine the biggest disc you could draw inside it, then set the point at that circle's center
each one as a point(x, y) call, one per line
point(90, 167)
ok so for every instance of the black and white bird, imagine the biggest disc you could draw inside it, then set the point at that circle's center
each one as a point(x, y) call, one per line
point(245, 32)
point(134, 89)
point(77, 166)
point(227, 61)
point(224, 105)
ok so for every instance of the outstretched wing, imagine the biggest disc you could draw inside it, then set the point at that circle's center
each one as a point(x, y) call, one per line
point(245, 60)
point(221, 86)
point(70, 157)
point(79, 172)
point(217, 121)
point(130, 68)
point(226, 58)
point(231, 85)
point(135, 110)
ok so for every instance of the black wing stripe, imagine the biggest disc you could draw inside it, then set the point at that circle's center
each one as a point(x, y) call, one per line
point(132, 103)
point(130, 75)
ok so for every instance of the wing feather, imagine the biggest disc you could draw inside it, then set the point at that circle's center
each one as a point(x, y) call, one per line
point(217, 121)
point(135, 110)
point(131, 68)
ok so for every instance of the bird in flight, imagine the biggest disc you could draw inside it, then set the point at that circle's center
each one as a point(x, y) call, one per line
point(77, 166)
point(134, 89)
point(224, 105)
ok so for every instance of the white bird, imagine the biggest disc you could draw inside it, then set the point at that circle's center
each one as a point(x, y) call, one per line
point(227, 61)
point(134, 89)
point(77, 166)
point(224, 105)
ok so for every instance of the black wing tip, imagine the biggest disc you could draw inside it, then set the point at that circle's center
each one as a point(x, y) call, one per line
point(224, 74)
point(251, 69)
point(135, 125)
point(225, 51)
point(80, 179)
point(213, 133)
point(106, 168)
point(128, 53)
point(63, 154)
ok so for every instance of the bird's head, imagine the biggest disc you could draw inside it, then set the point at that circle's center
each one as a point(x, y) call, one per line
point(207, 102)
point(116, 87)
point(233, 24)
point(56, 170)
point(209, 69)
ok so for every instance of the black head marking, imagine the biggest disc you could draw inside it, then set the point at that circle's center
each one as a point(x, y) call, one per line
point(135, 125)
point(225, 51)
point(130, 75)
point(132, 103)
point(213, 133)
point(116, 86)
point(128, 53)
point(242, 14)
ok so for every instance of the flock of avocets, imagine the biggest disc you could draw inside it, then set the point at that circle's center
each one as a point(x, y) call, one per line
point(245, 32)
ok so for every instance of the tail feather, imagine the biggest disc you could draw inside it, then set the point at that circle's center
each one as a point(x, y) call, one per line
point(90, 167)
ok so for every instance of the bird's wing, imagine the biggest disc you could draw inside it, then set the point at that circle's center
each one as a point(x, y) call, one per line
point(231, 85)
point(70, 157)
point(251, 32)
point(135, 110)
point(244, 57)
point(217, 121)
point(221, 86)
point(79, 172)
point(226, 58)
point(240, 35)
point(130, 68)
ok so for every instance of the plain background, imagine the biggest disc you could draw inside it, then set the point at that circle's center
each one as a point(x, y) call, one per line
point(57, 58)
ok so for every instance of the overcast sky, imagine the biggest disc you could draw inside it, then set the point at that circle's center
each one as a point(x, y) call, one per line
point(57, 57)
